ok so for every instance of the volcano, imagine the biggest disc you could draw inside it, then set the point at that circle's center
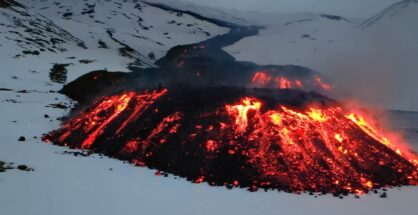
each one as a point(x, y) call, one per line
point(230, 123)
point(256, 138)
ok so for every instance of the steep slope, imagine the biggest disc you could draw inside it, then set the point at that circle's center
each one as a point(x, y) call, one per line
point(401, 10)
point(131, 28)
point(394, 27)
point(226, 15)
point(43, 47)
point(148, 30)
point(23, 32)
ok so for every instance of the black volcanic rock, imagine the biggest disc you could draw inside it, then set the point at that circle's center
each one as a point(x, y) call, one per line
point(194, 65)
point(9, 3)
point(92, 84)
point(234, 136)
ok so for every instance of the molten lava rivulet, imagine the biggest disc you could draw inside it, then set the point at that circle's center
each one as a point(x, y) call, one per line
point(265, 79)
point(236, 137)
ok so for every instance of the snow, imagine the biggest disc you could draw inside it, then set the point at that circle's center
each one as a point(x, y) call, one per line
point(229, 15)
point(65, 184)
point(374, 61)
point(138, 25)
point(144, 28)
point(289, 38)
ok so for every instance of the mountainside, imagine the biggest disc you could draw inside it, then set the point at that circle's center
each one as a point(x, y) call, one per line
point(134, 29)
point(287, 38)
point(393, 28)
point(45, 44)
point(26, 32)
point(405, 10)
point(290, 38)
point(49, 43)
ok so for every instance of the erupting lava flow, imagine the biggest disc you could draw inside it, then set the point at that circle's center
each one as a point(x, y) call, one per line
point(248, 141)
point(263, 79)
point(254, 127)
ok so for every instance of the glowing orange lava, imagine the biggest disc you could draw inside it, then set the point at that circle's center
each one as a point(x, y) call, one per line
point(94, 124)
point(241, 111)
point(244, 143)
point(265, 80)
point(262, 79)
point(322, 84)
point(298, 133)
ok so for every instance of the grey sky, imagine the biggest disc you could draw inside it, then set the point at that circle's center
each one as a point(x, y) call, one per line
point(349, 8)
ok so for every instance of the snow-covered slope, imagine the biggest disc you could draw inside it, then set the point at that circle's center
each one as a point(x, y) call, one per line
point(65, 184)
point(287, 38)
point(229, 15)
point(402, 10)
point(28, 32)
point(132, 28)
point(36, 35)
point(290, 38)
point(45, 44)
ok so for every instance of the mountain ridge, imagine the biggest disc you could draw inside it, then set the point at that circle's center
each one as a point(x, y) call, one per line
point(390, 11)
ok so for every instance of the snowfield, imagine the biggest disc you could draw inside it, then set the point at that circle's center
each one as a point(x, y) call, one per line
point(66, 184)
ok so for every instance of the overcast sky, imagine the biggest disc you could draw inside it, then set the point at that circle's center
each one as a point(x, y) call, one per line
point(349, 8)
